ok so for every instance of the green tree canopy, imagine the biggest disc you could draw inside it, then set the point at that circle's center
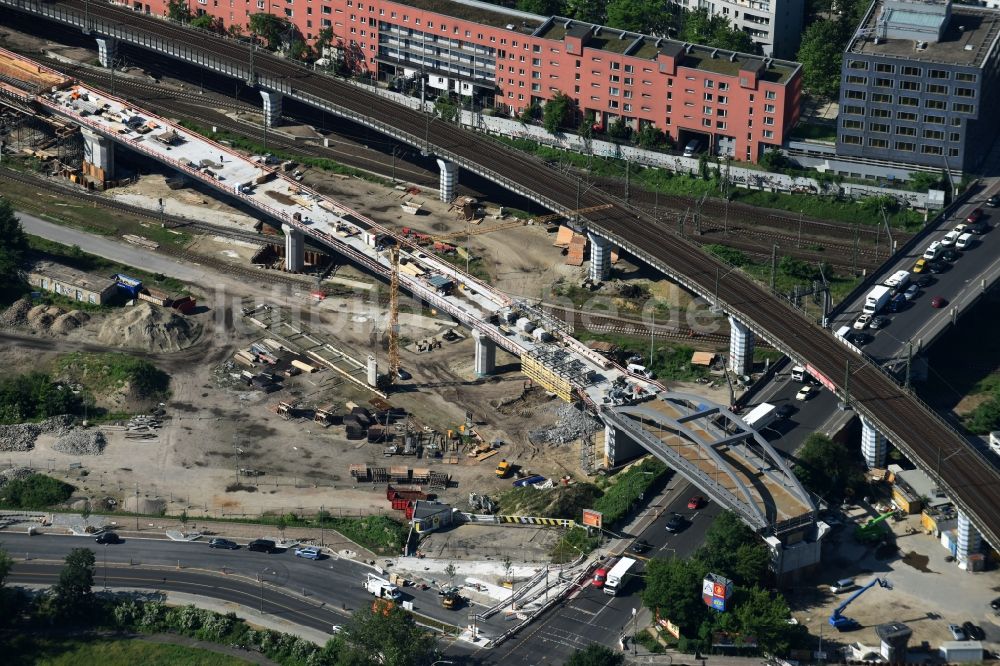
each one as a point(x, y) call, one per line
point(269, 27)
point(764, 615)
point(558, 112)
point(732, 550)
point(595, 655)
point(543, 7)
point(13, 246)
point(821, 54)
point(386, 635)
point(5, 565)
point(73, 593)
point(590, 11)
point(178, 10)
point(673, 587)
point(827, 468)
point(634, 15)
point(699, 27)
point(35, 491)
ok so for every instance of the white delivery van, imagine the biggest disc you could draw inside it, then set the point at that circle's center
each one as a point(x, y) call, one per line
point(965, 241)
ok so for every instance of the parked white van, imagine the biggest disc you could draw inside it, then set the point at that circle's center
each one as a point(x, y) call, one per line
point(965, 241)
point(932, 251)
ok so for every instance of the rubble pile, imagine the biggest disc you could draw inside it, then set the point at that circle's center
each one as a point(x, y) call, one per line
point(22, 436)
point(8, 475)
point(571, 424)
point(16, 314)
point(80, 442)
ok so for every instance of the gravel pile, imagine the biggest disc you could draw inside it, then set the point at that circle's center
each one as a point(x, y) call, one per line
point(8, 475)
point(16, 314)
point(571, 424)
point(79, 442)
point(22, 436)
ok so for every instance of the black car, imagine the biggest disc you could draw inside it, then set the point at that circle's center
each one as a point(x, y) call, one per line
point(979, 228)
point(951, 255)
point(639, 547)
point(223, 543)
point(676, 522)
point(262, 546)
point(108, 537)
point(937, 267)
point(993, 201)
point(973, 631)
point(878, 322)
point(924, 281)
point(859, 339)
point(784, 411)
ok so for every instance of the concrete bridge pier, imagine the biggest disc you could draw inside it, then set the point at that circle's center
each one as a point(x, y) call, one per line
point(486, 354)
point(448, 181)
point(600, 258)
point(295, 249)
point(619, 447)
point(740, 347)
point(107, 51)
point(969, 543)
point(272, 107)
point(873, 444)
point(98, 156)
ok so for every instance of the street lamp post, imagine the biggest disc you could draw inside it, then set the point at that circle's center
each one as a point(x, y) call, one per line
point(635, 631)
point(105, 566)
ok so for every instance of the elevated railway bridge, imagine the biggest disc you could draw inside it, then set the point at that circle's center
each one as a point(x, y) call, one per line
point(920, 433)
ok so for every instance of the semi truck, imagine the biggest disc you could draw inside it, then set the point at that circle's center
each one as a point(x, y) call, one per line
point(877, 298)
point(381, 588)
point(619, 576)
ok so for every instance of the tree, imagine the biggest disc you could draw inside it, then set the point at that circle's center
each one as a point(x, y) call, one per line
point(590, 11)
point(595, 655)
point(73, 593)
point(13, 245)
point(633, 15)
point(761, 614)
point(543, 7)
point(269, 27)
point(921, 181)
point(450, 572)
point(281, 524)
point(209, 22)
point(650, 136)
point(177, 10)
point(446, 109)
point(235, 31)
point(324, 40)
point(558, 112)
point(36, 491)
point(774, 160)
point(673, 588)
point(386, 635)
point(827, 468)
point(5, 565)
point(85, 512)
point(620, 130)
point(733, 550)
point(821, 53)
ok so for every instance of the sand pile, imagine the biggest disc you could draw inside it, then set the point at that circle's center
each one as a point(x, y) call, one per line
point(69, 321)
point(149, 328)
point(16, 314)
point(41, 317)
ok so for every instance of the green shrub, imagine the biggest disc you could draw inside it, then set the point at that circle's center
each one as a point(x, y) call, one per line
point(34, 396)
point(36, 491)
point(626, 489)
point(379, 534)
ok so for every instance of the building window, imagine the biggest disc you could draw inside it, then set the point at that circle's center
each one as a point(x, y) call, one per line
point(723, 99)
point(909, 85)
point(850, 139)
point(968, 77)
point(906, 115)
point(953, 152)
point(709, 83)
point(881, 128)
point(856, 80)
point(936, 135)
point(613, 104)
point(878, 143)
point(770, 94)
point(613, 91)
point(884, 68)
point(937, 89)
point(931, 150)
point(965, 92)
point(768, 134)
point(880, 113)
point(707, 110)
point(962, 108)
point(855, 94)
point(708, 97)
point(903, 130)
point(853, 125)
point(627, 107)
point(937, 74)
point(881, 98)
point(852, 110)
point(768, 120)
point(909, 101)
point(883, 83)
point(769, 108)
point(857, 64)
point(954, 136)
point(938, 104)
point(912, 71)
point(956, 122)
point(629, 69)
point(934, 120)
point(616, 65)
point(905, 146)
point(706, 122)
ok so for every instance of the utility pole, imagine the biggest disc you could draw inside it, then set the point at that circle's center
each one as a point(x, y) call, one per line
point(909, 361)
point(847, 384)
point(798, 243)
point(627, 170)
point(136, 506)
point(774, 262)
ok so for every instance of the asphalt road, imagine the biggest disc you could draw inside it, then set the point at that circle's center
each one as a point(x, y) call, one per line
point(333, 583)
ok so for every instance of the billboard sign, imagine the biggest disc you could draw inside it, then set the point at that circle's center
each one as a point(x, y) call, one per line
point(716, 591)
point(592, 518)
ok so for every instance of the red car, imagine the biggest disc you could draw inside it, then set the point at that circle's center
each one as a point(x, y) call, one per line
point(696, 502)
point(938, 302)
point(975, 216)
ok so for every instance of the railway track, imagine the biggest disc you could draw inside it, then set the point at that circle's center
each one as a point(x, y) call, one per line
point(974, 484)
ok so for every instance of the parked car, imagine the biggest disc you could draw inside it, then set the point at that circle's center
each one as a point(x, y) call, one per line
point(262, 546)
point(924, 281)
point(951, 254)
point(897, 303)
point(308, 552)
point(108, 537)
point(858, 339)
point(920, 266)
point(336, 628)
point(956, 632)
point(960, 228)
point(695, 502)
point(861, 322)
point(939, 302)
point(937, 267)
point(965, 241)
point(973, 631)
point(950, 238)
point(806, 392)
point(993, 201)
point(675, 523)
point(911, 292)
point(223, 543)
point(403, 375)
point(975, 216)
point(879, 321)
point(639, 547)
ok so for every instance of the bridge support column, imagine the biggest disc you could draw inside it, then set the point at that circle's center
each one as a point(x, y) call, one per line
point(486, 354)
point(295, 249)
point(272, 107)
point(98, 156)
point(873, 444)
point(740, 347)
point(619, 447)
point(448, 181)
point(600, 258)
point(968, 545)
point(107, 51)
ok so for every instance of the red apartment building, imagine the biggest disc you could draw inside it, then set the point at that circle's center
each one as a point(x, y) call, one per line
point(735, 104)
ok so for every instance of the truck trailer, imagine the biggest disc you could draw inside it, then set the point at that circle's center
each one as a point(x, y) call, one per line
point(619, 576)
point(761, 416)
point(381, 588)
point(877, 299)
